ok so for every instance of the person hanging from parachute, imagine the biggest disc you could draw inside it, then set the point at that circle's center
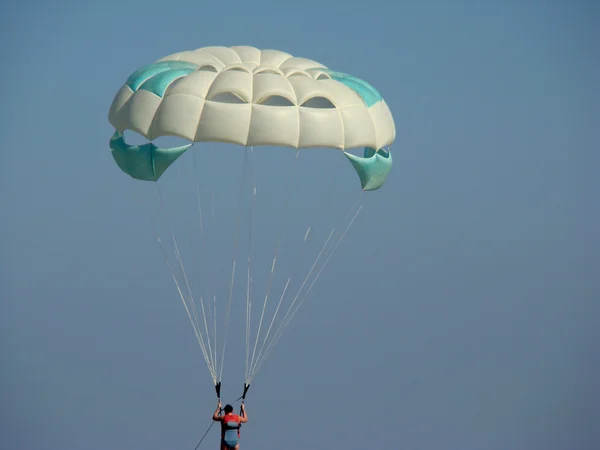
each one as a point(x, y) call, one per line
point(230, 425)
point(250, 97)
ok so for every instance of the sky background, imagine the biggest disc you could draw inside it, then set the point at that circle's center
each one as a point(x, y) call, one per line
point(461, 310)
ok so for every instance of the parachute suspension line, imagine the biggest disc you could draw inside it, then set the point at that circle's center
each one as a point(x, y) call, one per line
point(191, 297)
point(278, 331)
point(195, 325)
point(194, 316)
point(198, 198)
point(235, 247)
point(251, 230)
point(250, 376)
point(336, 245)
point(248, 315)
point(191, 316)
point(198, 335)
point(270, 282)
point(192, 304)
point(215, 323)
point(212, 221)
point(291, 312)
point(206, 215)
point(202, 243)
point(318, 209)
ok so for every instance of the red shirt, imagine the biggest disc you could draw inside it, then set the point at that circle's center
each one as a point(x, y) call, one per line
point(229, 418)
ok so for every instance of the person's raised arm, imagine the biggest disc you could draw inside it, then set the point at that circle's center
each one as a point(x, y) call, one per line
point(244, 416)
point(216, 416)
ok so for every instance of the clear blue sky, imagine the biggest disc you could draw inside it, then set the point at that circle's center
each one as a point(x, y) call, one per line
point(463, 303)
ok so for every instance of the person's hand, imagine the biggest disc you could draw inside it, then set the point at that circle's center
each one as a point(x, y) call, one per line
point(219, 406)
point(243, 407)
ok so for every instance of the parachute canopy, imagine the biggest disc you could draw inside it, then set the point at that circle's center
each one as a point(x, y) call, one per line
point(251, 97)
